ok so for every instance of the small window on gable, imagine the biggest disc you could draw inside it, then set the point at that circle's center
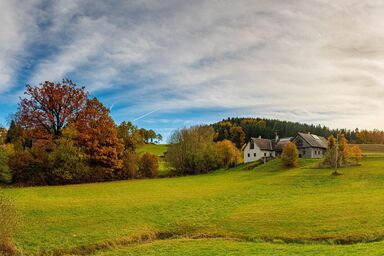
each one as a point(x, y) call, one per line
point(252, 145)
point(254, 154)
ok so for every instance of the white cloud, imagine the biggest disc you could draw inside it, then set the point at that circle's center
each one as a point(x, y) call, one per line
point(300, 60)
point(17, 21)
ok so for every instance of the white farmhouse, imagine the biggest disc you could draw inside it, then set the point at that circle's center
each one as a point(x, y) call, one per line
point(309, 146)
point(258, 148)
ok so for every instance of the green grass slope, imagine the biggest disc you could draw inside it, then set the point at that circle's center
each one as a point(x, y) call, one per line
point(155, 149)
point(251, 208)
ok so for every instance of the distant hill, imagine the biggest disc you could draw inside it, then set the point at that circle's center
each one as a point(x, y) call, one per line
point(268, 128)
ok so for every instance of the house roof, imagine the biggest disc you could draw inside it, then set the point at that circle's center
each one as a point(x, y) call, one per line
point(281, 143)
point(314, 140)
point(263, 144)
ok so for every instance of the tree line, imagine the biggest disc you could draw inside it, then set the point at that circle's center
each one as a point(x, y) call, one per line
point(61, 135)
point(240, 130)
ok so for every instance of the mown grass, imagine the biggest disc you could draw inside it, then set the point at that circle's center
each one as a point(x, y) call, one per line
point(301, 207)
point(208, 247)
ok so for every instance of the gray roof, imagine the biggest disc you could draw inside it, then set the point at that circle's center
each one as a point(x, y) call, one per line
point(263, 144)
point(314, 140)
point(281, 143)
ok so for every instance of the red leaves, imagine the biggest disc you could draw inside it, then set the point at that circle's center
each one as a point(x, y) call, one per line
point(98, 135)
point(49, 107)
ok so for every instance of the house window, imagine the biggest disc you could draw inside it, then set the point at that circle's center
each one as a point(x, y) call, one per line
point(254, 154)
point(249, 155)
point(252, 145)
point(303, 152)
point(265, 154)
point(270, 154)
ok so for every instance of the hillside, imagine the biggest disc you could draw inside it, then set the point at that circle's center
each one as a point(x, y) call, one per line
point(267, 204)
point(156, 149)
point(269, 128)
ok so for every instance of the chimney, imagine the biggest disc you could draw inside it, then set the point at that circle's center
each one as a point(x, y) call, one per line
point(259, 136)
point(276, 137)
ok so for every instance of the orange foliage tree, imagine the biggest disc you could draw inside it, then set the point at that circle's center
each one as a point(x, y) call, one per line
point(290, 155)
point(98, 136)
point(49, 107)
point(355, 153)
point(230, 155)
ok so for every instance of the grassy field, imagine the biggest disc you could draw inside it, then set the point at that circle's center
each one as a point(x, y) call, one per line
point(268, 210)
point(156, 149)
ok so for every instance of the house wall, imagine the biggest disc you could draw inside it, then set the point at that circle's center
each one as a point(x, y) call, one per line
point(306, 151)
point(259, 153)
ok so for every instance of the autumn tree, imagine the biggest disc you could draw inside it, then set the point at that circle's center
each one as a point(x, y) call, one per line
point(290, 155)
point(237, 135)
point(130, 165)
point(331, 142)
point(355, 153)
point(149, 166)
point(343, 147)
point(229, 154)
point(49, 107)
point(98, 136)
point(131, 136)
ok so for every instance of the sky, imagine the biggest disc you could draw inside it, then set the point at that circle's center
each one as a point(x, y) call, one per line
point(172, 63)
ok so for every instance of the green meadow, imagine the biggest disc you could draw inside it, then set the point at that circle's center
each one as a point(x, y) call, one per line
point(266, 210)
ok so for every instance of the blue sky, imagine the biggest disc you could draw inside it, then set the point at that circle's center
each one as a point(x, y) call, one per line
point(190, 62)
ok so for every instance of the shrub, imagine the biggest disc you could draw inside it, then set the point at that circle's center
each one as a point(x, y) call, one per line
point(290, 155)
point(229, 154)
point(149, 166)
point(8, 225)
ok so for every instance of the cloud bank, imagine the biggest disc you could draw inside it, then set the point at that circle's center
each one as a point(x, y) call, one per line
point(198, 61)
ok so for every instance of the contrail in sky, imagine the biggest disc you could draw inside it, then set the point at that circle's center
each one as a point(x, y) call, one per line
point(147, 114)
